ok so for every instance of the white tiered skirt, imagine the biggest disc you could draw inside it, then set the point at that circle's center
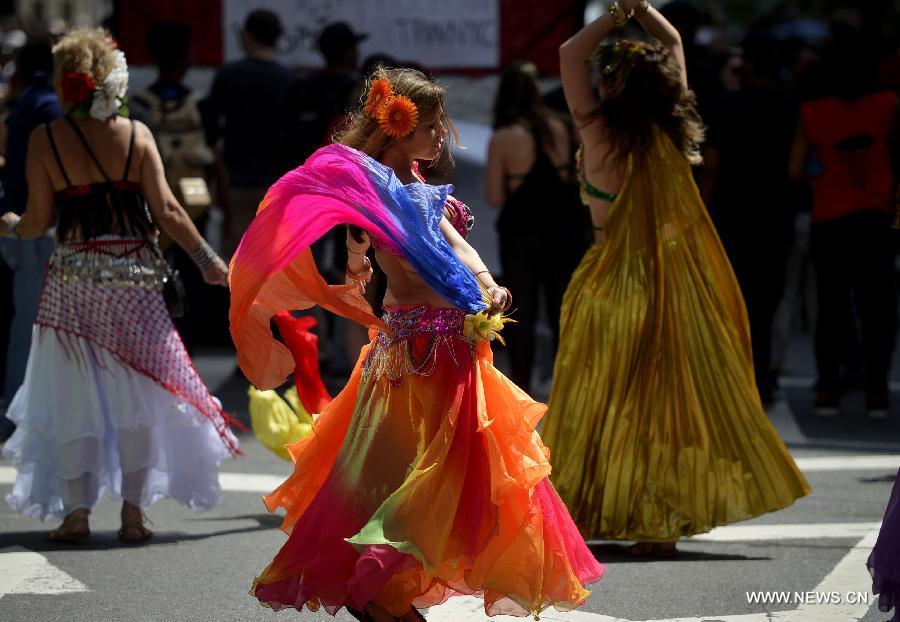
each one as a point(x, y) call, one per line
point(88, 424)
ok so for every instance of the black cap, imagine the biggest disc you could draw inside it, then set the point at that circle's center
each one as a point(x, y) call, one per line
point(338, 37)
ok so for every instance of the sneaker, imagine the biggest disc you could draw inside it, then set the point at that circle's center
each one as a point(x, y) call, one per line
point(827, 404)
point(877, 405)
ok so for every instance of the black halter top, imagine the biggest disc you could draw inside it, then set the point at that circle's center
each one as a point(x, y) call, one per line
point(109, 207)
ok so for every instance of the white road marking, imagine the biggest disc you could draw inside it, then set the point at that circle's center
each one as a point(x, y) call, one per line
point(875, 462)
point(807, 531)
point(849, 576)
point(250, 482)
point(26, 572)
point(265, 482)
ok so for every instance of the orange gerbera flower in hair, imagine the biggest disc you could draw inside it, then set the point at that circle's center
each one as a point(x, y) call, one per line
point(398, 117)
point(380, 92)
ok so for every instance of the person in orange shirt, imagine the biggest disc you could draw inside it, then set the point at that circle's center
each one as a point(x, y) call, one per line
point(852, 132)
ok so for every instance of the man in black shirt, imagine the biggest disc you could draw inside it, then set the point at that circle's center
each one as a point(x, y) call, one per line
point(751, 199)
point(247, 110)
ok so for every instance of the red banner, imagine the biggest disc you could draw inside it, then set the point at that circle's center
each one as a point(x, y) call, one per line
point(534, 29)
point(135, 18)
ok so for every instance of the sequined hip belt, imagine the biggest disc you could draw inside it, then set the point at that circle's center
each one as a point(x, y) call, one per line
point(110, 261)
point(418, 333)
point(408, 320)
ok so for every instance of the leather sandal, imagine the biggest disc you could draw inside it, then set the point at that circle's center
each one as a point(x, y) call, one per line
point(133, 530)
point(74, 528)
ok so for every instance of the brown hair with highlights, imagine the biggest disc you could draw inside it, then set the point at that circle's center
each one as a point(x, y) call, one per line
point(643, 89)
point(364, 133)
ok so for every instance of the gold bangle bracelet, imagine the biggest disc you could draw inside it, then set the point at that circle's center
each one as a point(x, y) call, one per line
point(641, 9)
point(618, 14)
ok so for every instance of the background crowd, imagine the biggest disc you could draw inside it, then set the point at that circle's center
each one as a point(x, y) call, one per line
point(804, 212)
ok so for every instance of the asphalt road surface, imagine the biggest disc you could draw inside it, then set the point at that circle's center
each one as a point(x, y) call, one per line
point(806, 562)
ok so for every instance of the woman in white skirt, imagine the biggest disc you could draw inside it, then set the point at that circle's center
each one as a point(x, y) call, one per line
point(111, 400)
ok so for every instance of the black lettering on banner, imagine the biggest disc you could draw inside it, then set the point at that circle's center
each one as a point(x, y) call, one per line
point(420, 32)
point(298, 37)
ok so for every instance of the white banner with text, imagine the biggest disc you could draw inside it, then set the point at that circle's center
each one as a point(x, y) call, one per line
point(440, 34)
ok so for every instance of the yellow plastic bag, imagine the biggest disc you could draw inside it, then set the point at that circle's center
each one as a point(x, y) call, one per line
point(278, 421)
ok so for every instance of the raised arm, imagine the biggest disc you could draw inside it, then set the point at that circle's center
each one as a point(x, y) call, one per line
point(38, 216)
point(573, 70)
point(169, 214)
point(660, 29)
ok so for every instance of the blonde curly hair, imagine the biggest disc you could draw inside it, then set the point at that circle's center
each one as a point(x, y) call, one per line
point(91, 51)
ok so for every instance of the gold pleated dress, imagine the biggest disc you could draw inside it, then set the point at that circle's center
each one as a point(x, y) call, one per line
point(655, 425)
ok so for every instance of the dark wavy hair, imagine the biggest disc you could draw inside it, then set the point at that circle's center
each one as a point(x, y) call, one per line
point(519, 100)
point(643, 89)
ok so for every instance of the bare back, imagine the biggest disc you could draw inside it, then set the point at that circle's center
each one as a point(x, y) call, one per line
point(601, 167)
point(109, 141)
point(520, 151)
point(512, 154)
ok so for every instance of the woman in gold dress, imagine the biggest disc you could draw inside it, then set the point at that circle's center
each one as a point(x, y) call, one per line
point(655, 424)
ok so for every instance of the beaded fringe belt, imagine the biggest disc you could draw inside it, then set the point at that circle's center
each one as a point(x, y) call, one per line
point(404, 353)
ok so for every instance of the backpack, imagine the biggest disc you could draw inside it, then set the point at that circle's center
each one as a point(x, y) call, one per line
point(178, 128)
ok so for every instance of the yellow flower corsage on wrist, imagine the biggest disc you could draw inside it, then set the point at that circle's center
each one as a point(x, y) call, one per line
point(481, 326)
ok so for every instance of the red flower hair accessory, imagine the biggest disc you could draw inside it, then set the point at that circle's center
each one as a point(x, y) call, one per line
point(398, 117)
point(380, 92)
point(76, 87)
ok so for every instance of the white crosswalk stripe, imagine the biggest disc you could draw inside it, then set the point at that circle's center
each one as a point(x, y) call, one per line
point(803, 531)
point(26, 572)
point(267, 482)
